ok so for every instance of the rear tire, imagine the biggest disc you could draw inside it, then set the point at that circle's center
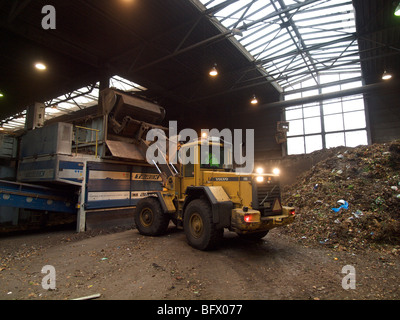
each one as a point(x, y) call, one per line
point(149, 218)
point(199, 228)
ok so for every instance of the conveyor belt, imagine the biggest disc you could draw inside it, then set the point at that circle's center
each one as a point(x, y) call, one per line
point(27, 196)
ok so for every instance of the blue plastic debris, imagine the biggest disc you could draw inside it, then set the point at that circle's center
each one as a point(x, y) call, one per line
point(344, 205)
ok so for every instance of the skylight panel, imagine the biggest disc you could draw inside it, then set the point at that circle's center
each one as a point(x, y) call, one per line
point(263, 33)
point(316, 40)
point(234, 11)
point(125, 85)
point(321, 19)
point(270, 43)
point(300, 36)
point(74, 101)
point(281, 48)
point(259, 10)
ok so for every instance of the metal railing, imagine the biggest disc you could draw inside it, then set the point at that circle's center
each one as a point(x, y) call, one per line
point(86, 143)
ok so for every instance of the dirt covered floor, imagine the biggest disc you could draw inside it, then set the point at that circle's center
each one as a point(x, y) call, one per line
point(126, 265)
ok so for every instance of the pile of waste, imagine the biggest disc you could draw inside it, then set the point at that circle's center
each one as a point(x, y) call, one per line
point(349, 201)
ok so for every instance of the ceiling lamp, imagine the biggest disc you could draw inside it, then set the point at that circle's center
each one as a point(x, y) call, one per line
point(386, 76)
point(40, 66)
point(397, 11)
point(254, 100)
point(214, 71)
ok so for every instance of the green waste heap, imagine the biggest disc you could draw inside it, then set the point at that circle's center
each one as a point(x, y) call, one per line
point(367, 178)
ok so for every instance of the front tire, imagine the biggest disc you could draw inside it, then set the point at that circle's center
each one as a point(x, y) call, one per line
point(150, 220)
point(199, 228)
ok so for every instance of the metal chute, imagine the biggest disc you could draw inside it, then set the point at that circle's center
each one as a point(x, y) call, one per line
point(129, 118)
point(121, 105)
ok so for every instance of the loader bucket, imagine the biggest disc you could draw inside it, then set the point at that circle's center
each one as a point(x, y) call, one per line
point(129, 118)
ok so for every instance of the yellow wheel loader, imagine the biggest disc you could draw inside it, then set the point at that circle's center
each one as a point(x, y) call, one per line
point(201, 191)
point(205, 197)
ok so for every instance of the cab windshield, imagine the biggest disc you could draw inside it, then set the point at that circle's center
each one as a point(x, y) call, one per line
point(212, 157)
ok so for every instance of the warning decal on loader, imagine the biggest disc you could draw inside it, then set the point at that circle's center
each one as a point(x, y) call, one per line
point(277, 206)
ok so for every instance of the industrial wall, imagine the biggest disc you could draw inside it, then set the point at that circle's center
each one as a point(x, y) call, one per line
point(236, 112)
point(384, 114)
point(264, 122)
point(241, 114)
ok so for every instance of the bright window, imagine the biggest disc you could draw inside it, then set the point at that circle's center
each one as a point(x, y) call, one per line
point(332, 123)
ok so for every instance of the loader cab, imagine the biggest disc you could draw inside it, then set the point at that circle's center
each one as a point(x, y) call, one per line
point(206, 154)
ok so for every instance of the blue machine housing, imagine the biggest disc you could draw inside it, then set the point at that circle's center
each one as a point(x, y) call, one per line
point(36, 197)
point(111, 185)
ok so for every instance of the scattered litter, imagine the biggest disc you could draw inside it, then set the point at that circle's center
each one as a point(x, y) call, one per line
point(344, 205)
point(94, 296)
point(357, 214)
point(379, 201)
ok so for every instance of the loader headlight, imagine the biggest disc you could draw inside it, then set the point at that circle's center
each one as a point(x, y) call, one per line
point(260, 179)
point(276, 171)
point(260, 170)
